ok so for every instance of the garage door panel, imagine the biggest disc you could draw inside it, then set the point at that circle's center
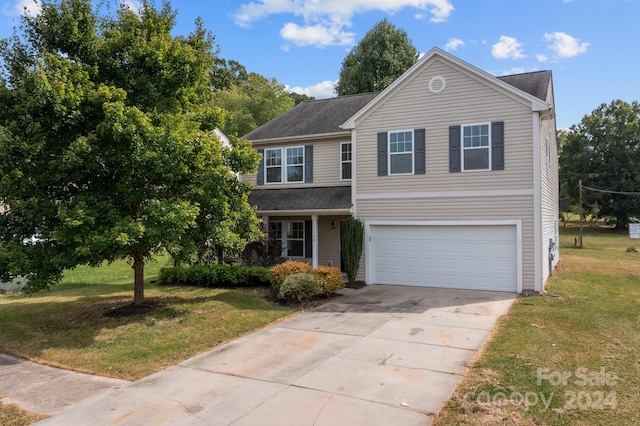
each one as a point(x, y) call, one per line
point(465, 257)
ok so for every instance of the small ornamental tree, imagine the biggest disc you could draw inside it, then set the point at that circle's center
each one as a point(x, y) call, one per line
point(107, 144)
point(351, 236)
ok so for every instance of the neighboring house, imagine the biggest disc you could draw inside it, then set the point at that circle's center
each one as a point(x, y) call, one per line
point(453, 172)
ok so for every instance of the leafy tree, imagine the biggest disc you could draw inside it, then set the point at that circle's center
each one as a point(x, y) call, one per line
point(381, 57)
point(107, 144)
point(603, 151)
point(297, 97)
point(227, 73)
point(351, 238)
point(252, 103)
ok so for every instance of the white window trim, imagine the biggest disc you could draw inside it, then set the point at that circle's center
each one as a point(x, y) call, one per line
point(284, 240)
point(283, 166)
point(462, 148)
point(343, 162)
point(413, 152)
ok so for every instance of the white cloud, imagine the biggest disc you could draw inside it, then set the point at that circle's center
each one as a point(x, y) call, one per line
point(132, 5)
point(20, 7)
point(322, 90)
point(564, 45)
point(325, 20)
point(507, 47)
point(453, 44)
point(316, 35)
point(542, 58)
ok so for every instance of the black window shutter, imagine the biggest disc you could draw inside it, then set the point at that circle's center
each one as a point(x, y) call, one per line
point(419, 154)
point(260, 177)
point(308, 240)
point(497, 145)
point(382, 154)
point(308, 163)
point(454, 149)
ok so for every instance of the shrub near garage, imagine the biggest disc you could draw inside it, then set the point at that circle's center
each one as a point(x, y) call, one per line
point(282, 271)
point(329, 277)
point(301, 287)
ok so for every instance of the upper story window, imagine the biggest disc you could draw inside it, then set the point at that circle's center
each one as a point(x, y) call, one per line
point(476, 150)
point(401, 152)
point(345, 161)
point(284, 169)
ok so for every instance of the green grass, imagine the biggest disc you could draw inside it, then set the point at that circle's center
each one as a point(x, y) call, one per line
point(586, 324)
point(12, 415)
point(67, 326)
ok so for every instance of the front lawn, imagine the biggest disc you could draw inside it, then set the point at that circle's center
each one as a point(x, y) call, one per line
point(570, 357)
point(77, 325)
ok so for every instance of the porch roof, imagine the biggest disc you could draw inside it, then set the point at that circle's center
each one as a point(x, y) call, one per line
point(334, 198)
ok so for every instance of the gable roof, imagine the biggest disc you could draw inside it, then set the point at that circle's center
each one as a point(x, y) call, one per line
point(534, 83)
point(336, 116)
point(317, 117)
point(537, 104)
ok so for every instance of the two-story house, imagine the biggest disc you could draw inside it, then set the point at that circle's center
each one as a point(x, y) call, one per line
point(453, 172)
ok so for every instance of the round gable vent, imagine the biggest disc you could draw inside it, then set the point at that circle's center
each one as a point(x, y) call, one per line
point(437, 84)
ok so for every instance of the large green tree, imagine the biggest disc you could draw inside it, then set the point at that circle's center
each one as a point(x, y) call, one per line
point(603, 151)
point(252, 102)
point(382, 56)
point(107, 144)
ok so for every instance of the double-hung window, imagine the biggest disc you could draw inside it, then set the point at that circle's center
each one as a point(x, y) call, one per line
point(273, 165)
point(290, 236)
point(401, 152)
point(284, 165)
point(476, 149)
point(345, 161)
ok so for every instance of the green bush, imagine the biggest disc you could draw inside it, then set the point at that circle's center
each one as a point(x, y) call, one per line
point(282, 271)
point(330, 278)
point(300, 287)
point(215, 276)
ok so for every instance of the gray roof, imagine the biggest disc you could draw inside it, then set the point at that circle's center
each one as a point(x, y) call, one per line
point(329, 198)
point(312, 117)
point(534, 83)
point(327, 115)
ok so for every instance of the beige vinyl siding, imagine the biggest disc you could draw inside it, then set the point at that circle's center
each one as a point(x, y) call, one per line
point(459, 209)
point(329, 241)
point(465, 100)
point(326, 163)
point(550, 189)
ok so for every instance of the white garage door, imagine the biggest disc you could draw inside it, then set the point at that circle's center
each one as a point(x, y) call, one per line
point(465, 257)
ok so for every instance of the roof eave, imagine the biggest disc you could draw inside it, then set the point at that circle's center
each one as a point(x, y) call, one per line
point(324, 212)
point(298, 138)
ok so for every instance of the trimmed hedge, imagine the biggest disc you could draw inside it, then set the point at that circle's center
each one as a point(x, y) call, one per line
point(216, 276)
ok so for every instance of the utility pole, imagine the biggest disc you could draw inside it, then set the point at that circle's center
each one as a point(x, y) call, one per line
point(580, 203)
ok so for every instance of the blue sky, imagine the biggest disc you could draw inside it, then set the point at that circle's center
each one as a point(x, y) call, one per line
point(592, 46)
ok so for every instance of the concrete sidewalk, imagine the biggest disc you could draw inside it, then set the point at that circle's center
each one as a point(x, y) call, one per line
point(379, 355)
point(48, 390)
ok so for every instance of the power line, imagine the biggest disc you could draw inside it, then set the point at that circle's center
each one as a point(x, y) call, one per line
point(611, 192)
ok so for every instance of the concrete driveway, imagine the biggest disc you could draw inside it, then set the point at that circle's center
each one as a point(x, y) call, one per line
point(379, 355)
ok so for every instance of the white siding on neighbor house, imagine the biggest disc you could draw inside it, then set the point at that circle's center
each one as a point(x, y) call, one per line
point(326, 163)
point(550, 191)
point(519, 208)
point(465, 100)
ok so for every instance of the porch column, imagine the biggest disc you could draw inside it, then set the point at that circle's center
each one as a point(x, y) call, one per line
point(265, 221)
point(314, 233)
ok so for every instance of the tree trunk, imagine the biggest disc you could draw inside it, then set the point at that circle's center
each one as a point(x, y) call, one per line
point(138, 280)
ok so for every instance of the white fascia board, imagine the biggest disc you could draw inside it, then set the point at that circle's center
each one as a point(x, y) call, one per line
point(346, 134)
point(536, 104)
point(319, 212)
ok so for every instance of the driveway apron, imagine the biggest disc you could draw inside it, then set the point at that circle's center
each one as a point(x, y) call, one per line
point(375, 356)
